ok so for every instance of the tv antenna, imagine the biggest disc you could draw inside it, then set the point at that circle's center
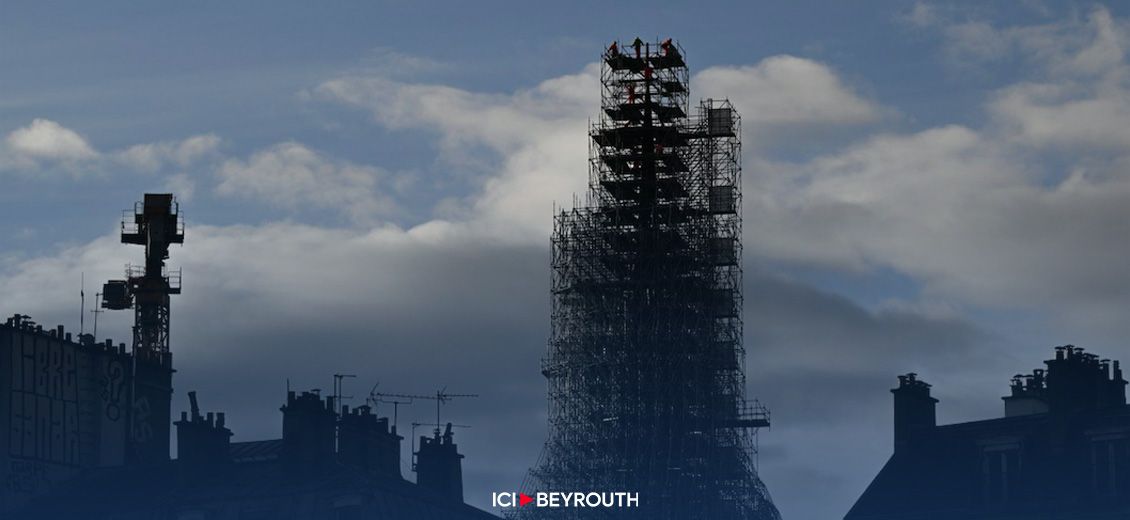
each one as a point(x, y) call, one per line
point(82, 306)
point(339, 384)
point(96, 311)
point(441, 397)
point(377, 397)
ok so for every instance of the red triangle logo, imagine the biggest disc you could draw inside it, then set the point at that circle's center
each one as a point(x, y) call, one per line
point(524, 499)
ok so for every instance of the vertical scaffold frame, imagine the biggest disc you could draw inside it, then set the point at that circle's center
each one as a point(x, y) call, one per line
point(645, 365)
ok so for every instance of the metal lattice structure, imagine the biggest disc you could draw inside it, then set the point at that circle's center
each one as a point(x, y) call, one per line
point(155, 224)
point(645, 362)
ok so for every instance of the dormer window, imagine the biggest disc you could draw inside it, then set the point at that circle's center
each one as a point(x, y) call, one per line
point(1110, 465)
point(1001, 464)
point(349, 507)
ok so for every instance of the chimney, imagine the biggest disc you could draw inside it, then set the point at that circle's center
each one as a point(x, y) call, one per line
point(1027, 396)
point(915, 411)
point(439, 466)
point(1117, 385)
point(202, 442)
point(1080, 382)
point(365, 441)
point(308, 429)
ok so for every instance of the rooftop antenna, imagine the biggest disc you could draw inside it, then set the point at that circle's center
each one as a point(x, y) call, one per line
point(82, 305)
point(372, 399)
point(440, 398)
point(376, 397)
point(395, 410)
point(382, 397)
point(96, 311)
point(339, 383)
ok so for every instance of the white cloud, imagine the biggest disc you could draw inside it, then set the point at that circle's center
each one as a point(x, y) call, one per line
point(921, 15)
point(46, 144)
point(150, 157)
point(290, 175)
point(182, 185)
point(1080, 99)
point(1072, 46)
point(958, 211)
point(48, 140)
point(956, 208)
point(1065, 115)
point(504, 122)
point(976, 42)
point(536, 138)
point(1028, 211)
point(786, 91)
point(388, 62)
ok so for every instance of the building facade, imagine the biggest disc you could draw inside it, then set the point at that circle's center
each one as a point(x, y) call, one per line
point(330, 464)
point(1062, 451)
point(68, 406)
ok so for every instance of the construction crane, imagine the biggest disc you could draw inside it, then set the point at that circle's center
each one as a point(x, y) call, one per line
point(155, 223)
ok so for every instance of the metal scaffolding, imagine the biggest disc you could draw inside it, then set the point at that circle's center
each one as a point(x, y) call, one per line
point(645, 364)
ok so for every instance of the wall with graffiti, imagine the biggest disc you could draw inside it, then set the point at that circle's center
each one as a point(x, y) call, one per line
point(70, 405)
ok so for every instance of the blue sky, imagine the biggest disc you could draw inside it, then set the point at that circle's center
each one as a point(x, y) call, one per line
point(929, 186)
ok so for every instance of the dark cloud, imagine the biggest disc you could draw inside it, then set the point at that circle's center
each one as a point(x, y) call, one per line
point(264, 305)
point(825, 365)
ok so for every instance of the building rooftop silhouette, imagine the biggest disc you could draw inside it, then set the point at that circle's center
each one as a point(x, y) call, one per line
point(1062, 451)
point(85, 427)
point(299, 476)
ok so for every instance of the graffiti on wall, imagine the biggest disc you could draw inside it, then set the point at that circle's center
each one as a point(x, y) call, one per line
point(44, 401)
point(113, 382)
point(142, 430)
point(113, 400)
point(25, 477)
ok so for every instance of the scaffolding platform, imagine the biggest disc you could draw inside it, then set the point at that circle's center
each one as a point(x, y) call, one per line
point(645, 363)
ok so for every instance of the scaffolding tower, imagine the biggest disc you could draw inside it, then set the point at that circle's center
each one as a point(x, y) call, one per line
point(645, 362)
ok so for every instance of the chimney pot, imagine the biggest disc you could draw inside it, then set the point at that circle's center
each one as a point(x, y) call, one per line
point(439, 466)
point(915, 411)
